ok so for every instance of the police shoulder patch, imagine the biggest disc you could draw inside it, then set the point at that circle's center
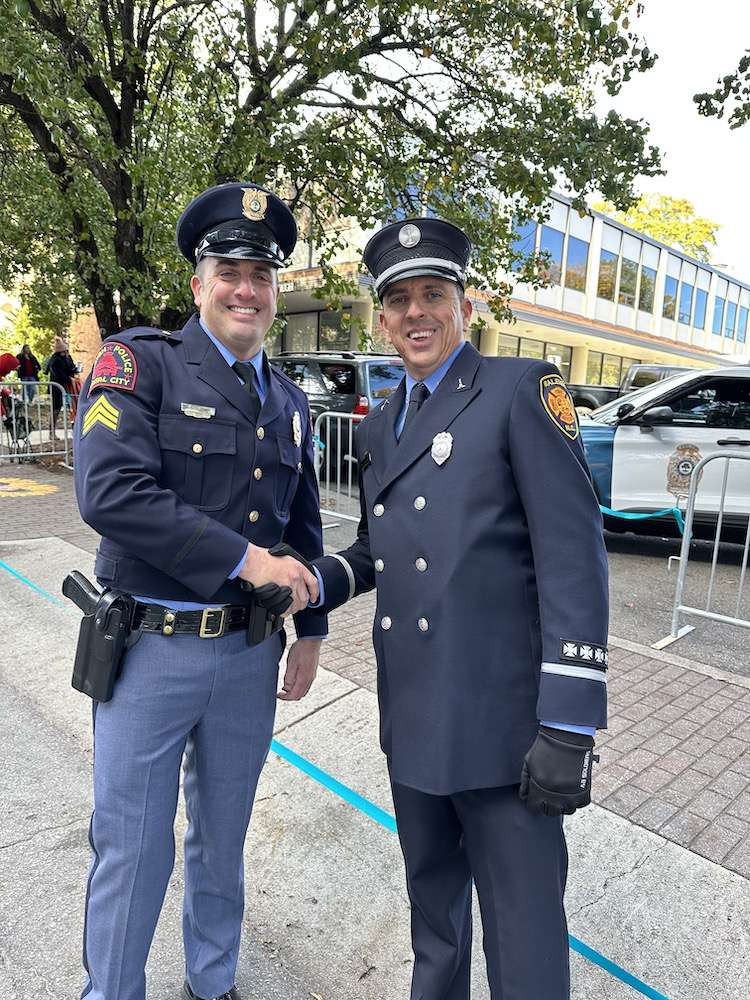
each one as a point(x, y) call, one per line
point(115, 367)
point(559, 405)
point(103, 412)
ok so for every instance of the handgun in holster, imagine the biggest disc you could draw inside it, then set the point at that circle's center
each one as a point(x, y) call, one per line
point(102, 637)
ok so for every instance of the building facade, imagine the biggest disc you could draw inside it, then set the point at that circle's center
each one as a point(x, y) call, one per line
point(615, 297)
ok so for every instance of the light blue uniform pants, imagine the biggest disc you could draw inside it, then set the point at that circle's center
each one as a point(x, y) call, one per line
point(212, 700)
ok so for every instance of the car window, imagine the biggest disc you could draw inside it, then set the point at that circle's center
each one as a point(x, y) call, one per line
point(719, 403)
point(643, 378)
point(384, 377)
point(638, 397)
point(304, 375)
point(338, 378)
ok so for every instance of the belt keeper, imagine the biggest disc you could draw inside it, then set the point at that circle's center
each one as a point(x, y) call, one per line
point(168, 624)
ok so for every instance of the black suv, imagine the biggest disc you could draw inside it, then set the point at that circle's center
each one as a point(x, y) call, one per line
point(341, 382)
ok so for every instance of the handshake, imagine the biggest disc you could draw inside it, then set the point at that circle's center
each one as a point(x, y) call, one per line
point(283, 581)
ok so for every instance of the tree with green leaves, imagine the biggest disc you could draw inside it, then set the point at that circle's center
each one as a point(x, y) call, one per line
point(114, 114)
point(24, 331)
point(732, 92)
point(670, 220)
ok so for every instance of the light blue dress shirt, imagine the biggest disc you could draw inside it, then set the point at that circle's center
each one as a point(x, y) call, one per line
point(432, 382)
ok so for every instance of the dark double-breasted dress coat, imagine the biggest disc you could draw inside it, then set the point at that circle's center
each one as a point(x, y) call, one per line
point(172, 470)
point(482, 534)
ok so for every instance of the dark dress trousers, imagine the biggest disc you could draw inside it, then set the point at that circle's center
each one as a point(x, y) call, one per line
point(483, 536)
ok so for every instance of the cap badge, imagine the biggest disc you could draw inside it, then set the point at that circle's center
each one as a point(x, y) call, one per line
point(442, 446)
point(254, 204)
point(409, 235)
point(297, 429)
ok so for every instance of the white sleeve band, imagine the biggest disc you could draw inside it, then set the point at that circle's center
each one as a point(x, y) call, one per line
point(568, 670)
point(349, 573)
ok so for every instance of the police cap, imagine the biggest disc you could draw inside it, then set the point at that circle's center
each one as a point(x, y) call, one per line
point(243, 221)
point(416, 247)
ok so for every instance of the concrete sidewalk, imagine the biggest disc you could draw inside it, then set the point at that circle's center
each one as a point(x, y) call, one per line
point(327, 910)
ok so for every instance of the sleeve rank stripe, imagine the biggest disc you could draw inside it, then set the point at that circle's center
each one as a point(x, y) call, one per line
point(349, 574)
point(101, 412)
point(584, 673)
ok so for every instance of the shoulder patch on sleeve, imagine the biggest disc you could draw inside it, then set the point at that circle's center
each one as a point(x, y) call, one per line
point(103, 412)
point(115, 367)
point(558, 403)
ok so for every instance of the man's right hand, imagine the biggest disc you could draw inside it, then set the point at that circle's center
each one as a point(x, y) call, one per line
point(261, 567)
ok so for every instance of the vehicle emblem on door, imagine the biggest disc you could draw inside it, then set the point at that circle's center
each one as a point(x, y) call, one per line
point(680, 467)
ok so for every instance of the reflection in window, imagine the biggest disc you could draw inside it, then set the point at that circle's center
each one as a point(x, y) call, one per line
point(507, 347)
point(718, 316)
point(334, 332)
point(670, 298)
point(648, 284)
point(559, 355)
point(611, 366)
point(723, 403)
point(384, 377)
point(686, 303)
point(531, 348)
point(607, 275)
point(301, 332)
point(338, 379)
point(730, 321)
point(628, 279)
point(594, 368)
point(576, 263)
point(551, 243)
point(701, 300)
point(742, 327)
point(523, 242)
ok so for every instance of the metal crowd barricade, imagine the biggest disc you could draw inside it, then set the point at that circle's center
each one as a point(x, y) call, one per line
point(27, 426)
point(681, 608)
point(336, 465)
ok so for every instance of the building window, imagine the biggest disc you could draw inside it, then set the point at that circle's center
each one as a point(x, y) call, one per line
point(576, 264)
point(730, 320)
point(531, 349)
point(607, 275)
point(607, 369)
point(559, 355)
point(507, 347)
point(611, 365)
point(523, 243)
point(334, 333)
point(701, 300)
point(301, 332)
point(686, 303)
point(718, 316)
point(594, 368)
point(670, 298)
point(551, 243)
point(648, 284)
point(742, 326)
point(628, 280)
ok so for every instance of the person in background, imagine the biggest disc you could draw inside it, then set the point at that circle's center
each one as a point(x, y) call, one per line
point(61, 369)
point(28, 372)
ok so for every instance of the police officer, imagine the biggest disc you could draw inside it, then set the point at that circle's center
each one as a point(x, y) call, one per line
point(193, 458)
point(482, 534)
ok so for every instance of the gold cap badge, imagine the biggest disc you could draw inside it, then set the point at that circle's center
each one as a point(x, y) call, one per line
point(254, 204)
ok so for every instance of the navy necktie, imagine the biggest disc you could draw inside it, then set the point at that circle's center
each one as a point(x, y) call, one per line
point(417, 396)
point(247, 373)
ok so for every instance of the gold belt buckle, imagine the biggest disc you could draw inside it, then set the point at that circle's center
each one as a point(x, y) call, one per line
point(205, 631)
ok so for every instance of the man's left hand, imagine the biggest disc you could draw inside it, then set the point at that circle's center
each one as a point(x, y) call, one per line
point(301, 667)
point(556, 774)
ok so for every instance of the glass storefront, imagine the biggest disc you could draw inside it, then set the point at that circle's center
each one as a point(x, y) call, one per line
point(557, 354)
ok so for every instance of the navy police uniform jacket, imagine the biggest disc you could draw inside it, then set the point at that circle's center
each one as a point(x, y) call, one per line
point(483, 536)
point(172, 471)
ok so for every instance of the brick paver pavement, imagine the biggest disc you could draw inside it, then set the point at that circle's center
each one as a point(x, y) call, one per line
point(675, 758)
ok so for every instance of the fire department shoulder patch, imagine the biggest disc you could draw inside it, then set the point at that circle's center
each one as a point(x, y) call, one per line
point(114, 368)
point(558, 404)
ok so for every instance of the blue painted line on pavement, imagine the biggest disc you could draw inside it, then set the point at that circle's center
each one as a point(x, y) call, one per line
point(388, 821)
point(39, 590)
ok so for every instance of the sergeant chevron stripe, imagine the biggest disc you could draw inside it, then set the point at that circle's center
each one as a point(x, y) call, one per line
point(102, 412)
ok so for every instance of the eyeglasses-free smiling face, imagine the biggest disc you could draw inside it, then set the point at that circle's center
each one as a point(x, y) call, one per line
point(424, 318)
point(237, 301)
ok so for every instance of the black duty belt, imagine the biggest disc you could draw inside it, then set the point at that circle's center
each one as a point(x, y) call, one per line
point(211, 623)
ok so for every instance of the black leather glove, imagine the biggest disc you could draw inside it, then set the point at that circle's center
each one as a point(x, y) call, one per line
point(273, 598)
point(282, 549)
point(556, 773)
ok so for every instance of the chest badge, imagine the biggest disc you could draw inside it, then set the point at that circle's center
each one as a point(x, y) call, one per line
point(297, 428)
point(442, 446)
point(198, 411)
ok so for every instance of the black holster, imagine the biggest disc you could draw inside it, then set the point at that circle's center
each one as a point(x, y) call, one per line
point(102, 636)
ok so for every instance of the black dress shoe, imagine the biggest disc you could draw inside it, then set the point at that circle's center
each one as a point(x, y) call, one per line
point(233, 994)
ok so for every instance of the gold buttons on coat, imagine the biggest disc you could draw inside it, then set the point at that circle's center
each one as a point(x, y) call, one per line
point(253, 516)
point(258, 473)
point(168, 618)
point(385, 623)
point(420, 503)
point(378, 510)
point(197, 447)
point(379, 565)
point(167, 630)
point(260, 433)
point(421, 564)
point(423, 624)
